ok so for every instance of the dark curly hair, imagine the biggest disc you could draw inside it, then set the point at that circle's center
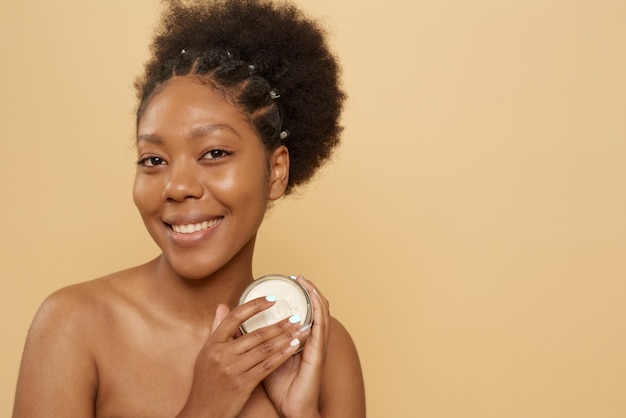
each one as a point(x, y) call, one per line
point(271, 61)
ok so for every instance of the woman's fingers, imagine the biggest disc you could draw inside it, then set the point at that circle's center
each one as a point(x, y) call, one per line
point(321, 311)
point(263, 346)
point(284, 337)
point(220, 313)
point(225, 327)
point(267, 358)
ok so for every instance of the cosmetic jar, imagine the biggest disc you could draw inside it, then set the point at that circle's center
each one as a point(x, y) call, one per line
point(291, 299)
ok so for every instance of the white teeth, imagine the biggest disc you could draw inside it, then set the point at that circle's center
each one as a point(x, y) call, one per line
point(191, 228)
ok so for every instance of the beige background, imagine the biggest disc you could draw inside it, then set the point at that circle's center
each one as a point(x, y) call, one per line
point(471, 231)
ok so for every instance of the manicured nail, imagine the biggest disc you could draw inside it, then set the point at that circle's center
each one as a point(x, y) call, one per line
point(270, 298)
point(293, 277)
point(294, 319)
point(305, 328)
point(295, 342)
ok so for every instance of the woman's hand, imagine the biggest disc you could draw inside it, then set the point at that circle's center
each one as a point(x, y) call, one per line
point(295, 387)
point(229, 367)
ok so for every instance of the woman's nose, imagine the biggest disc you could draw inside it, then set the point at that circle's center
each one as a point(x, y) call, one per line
point(183, 183)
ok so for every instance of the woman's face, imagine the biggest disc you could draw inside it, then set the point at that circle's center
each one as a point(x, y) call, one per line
point(203, 177)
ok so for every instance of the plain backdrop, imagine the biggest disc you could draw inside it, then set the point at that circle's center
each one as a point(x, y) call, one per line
point(470, 232)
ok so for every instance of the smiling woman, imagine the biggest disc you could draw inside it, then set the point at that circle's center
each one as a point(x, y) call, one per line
point(207, 168)
point(224, 127)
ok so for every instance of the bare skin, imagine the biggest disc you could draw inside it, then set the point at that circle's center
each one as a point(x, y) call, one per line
point(161, 339)
point(101, 349)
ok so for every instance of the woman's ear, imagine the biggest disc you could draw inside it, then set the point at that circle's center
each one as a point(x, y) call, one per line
point(279, 172)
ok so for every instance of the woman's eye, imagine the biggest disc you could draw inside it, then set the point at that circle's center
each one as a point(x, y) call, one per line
point(216, 153)
point(151, 161)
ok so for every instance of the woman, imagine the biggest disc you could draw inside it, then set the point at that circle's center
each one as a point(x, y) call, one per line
point(238, 105)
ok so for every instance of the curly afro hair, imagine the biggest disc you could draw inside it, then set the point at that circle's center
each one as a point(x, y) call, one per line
point(271, 61)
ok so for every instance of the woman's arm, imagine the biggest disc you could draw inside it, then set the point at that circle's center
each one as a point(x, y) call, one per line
point(58, 376)
point(325, 379)
point(343, 391)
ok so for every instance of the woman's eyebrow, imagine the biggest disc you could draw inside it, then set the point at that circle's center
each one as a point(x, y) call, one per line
point(202, 131)
point(151, 138)
point(196, 133)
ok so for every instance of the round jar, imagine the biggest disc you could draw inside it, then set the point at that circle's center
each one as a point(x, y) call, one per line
point(291, 299)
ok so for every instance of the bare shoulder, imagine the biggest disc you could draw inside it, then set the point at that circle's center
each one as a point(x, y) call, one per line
point(67, 305)
point(58, 375)
point(341, 345)
point(73, 310)
point(343, 392)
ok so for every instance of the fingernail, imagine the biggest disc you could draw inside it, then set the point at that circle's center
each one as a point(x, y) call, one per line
point(293, 277)
point(295, 342)
point(305, 328)
point(270, 298)
point(294, 319)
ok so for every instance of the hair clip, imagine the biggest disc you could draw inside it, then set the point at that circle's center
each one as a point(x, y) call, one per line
point(251, 68)
point(274, 95)
point(283, 134)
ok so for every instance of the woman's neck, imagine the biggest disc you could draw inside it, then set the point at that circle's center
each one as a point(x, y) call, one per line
point(195, 300)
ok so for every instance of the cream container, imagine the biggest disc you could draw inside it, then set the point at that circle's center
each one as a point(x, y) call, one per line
point(291, 299)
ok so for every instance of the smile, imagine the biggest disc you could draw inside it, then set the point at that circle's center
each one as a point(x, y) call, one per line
point(191, 228)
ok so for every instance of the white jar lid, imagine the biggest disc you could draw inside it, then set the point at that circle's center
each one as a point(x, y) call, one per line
point(291, 299)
